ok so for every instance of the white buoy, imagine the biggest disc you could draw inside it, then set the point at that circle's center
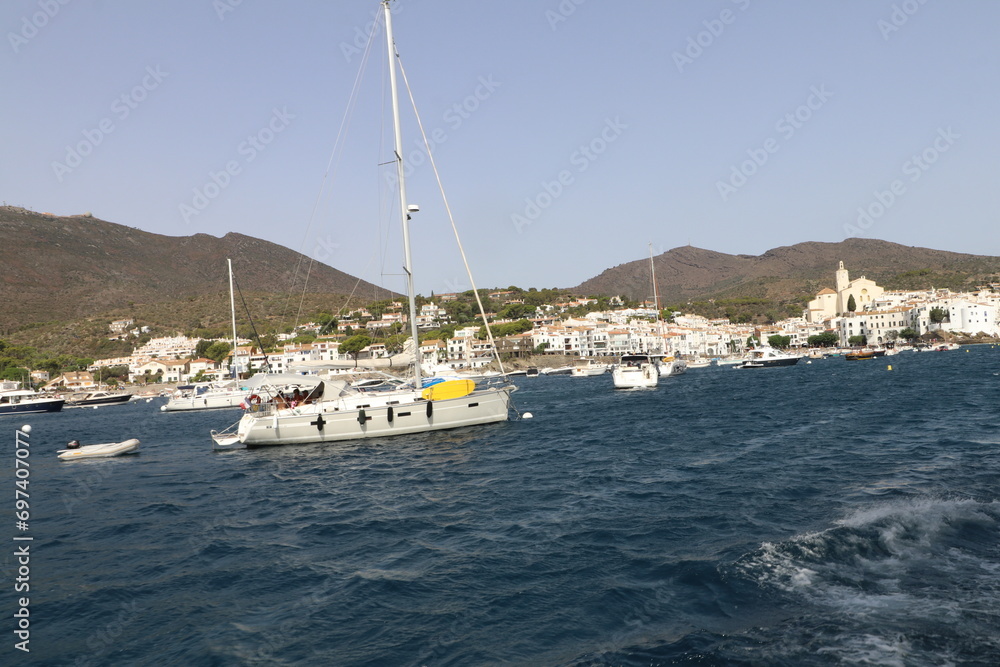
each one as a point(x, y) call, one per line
point(95, 407)
point(163, 408)
point(26, 428)
point(527, 415)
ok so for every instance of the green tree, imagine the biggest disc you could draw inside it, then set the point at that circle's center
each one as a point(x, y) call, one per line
point(855, 341)
point(202, 347)
point(515, 311)
point(779, 341)
point(852, 305)
point(939, 315)
point(825, 339)
point(352, 346)
point(908, 334)
point(218, 351)
point(109, 374)
point(327, 323)
point(270, 341)
point(459, 312)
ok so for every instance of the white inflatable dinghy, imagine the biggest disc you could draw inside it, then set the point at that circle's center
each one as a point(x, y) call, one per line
point(99, 451)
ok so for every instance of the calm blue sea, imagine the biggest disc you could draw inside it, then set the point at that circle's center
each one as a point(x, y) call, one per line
point(827, 513)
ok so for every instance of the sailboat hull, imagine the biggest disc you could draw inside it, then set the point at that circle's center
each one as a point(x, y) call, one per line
point(219, 402)
point(321, 422)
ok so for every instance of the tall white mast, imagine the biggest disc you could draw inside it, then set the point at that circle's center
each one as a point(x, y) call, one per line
point(404, 208)
point(232, 310)
point(656, 300)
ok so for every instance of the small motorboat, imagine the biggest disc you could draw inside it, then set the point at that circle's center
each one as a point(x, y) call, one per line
point(92, 398)
point(768, 357)
point(77, 451)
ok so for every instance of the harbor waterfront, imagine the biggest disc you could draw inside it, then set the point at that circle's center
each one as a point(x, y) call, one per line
point(815, 514)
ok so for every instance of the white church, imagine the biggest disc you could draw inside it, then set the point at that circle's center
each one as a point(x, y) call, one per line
point(831, 303)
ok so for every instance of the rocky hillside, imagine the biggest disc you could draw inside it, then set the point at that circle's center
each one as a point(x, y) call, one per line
point(789, 272)
point(61, 268)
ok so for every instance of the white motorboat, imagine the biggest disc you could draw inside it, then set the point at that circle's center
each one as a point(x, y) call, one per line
point(768, 357)
point(589, 369)
point(669, 366)
point(102, 451)
point(27, 401)
point(330, 410)
point(100, 397)
point(635, 370)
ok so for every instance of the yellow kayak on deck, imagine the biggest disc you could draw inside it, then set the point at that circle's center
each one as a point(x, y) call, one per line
point(448, 389)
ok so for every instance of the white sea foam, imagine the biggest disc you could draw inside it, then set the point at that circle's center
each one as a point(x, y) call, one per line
point(870, 650)
point(870, 559)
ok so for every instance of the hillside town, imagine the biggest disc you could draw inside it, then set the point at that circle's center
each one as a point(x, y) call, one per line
point(857, 312)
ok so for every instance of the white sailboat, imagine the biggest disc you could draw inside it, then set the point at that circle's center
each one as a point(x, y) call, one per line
point(306, 409)
point(665, 365)
point(212, 395)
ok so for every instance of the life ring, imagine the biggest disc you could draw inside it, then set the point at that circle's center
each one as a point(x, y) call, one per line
point(253, 403)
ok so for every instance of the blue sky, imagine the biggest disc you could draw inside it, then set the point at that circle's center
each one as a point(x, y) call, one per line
point(572, 133)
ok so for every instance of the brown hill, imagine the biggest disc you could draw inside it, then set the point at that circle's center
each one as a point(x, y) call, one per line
point(789, 272)
point(60, 268)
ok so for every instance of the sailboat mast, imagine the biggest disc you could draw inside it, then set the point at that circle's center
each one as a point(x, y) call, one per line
point(232, 310)
point(656, 299)
point(404, 208)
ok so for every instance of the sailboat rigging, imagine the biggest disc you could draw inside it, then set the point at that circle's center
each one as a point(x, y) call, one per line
point(667, 365)
point(292, 409)
point(212, 395)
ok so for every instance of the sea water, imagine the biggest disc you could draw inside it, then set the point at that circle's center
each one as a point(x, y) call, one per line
point(831, 512)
